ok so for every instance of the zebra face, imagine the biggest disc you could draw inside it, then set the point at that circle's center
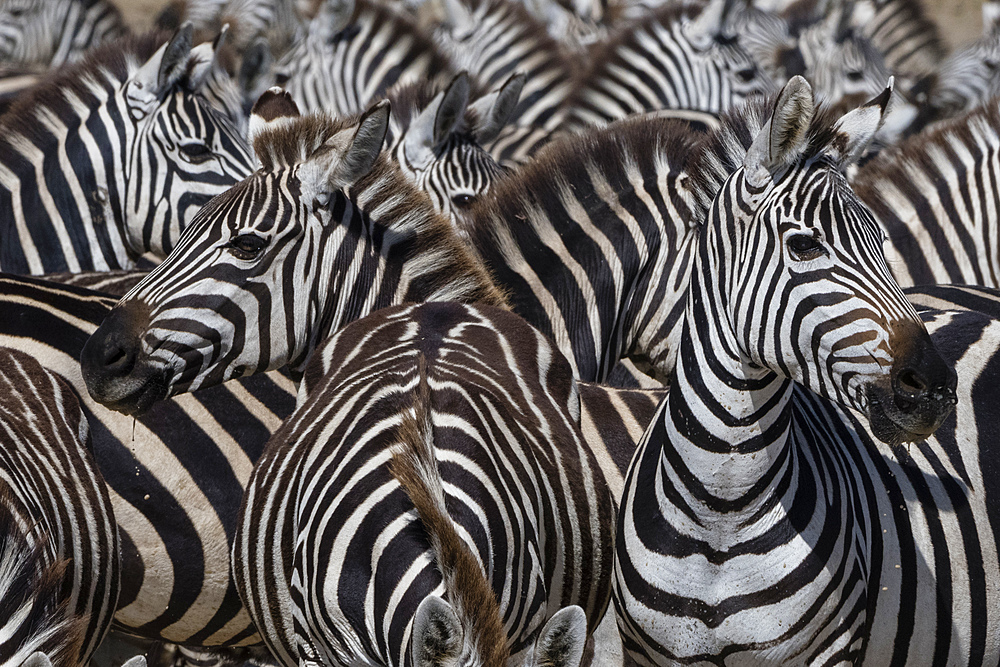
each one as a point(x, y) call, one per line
point(189, 142)
point(824, 310)
point(216, 308)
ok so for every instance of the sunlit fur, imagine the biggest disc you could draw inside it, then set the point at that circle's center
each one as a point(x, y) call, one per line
point(85, 185)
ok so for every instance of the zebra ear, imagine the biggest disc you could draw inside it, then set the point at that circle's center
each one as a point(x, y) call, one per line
point(991, 14)
point(37, 659)
point(203, 58)
point(164, 69)
point(783, 137)
point(432, 127)
point(562, 639)
point(275, 107)
point(702, 30)
point(135, 661)
point(458, 15)
point(347, 156)
point(333, 16)
point(436, 637)
point(257, 63)
point(855, 129)
point(493, 111)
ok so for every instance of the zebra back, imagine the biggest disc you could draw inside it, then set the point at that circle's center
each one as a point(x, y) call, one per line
point(61, 562)
point(678, 57)
point(526, 497)
point(935, 196)
point(353, 52)
point(53, 33)
point(109, 159)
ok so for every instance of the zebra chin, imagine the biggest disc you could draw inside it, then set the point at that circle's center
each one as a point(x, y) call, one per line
point(133, 394)
point(897, 417)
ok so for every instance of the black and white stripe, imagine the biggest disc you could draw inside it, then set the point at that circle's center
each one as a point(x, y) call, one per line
point(937, 196)
point(53, 33)
point(109, 159)
point(432, 491)
point(770, 514)
point(175, 475)
point(59, 550)
point(679, 57)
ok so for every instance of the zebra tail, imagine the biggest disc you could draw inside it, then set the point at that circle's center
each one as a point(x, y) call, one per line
point(28, 581)
point(415, 468)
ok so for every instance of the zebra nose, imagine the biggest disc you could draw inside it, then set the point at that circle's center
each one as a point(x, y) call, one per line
point(912, 387)
point(111, 352)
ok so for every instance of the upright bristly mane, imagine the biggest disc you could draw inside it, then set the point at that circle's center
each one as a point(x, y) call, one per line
point(30, 591)
point(440, 266)
point(468, 591)
point(723, 150)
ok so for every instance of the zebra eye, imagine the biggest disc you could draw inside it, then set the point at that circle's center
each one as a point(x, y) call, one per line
point(247, 246)
point(746, 75)
point(195, 152)
point(462, 201)
point(855, 75)
point(805, 247)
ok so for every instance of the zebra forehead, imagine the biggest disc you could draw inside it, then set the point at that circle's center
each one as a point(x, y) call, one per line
point(294, 141)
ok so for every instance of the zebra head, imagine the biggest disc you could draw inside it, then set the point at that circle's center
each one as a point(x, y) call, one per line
point(52, 32)
point(804, 278)
point(309, 242)
point(189, 141)
point(439, 143)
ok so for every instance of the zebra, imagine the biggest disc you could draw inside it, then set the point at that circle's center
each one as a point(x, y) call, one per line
point(175, 475)
point(779, 448)
point(59, 546)
point(678, 57)
point(935, 195)
point(468, 416)
point(496, 39)
point(108, 160)
point(629, 219)
point(52, 33)
point(352, 52)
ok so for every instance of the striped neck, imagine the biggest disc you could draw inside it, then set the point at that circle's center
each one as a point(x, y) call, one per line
point(727, 420)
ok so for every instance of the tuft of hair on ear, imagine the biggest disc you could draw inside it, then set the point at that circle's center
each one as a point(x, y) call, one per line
point(367, 143)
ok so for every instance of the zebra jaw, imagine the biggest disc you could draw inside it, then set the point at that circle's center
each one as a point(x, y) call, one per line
point(895, 418)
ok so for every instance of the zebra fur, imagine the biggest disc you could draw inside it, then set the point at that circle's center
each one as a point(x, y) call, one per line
point(59, 547)
point(936, 196)
point(679, 57)
point(109, 159)
point(175, 475)
point(53, 33)
point(525, 408)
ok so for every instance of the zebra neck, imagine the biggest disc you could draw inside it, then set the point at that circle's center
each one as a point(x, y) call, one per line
point(726, 421)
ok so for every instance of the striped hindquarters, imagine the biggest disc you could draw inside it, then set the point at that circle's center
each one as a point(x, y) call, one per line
point(55, 500)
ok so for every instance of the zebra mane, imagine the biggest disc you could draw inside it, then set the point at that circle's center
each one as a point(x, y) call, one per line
point(105, 67)
point(918, 153)
point(441, 267)
point(511, 203)
point(32, 587)
point(469, 592)
point(723, 150)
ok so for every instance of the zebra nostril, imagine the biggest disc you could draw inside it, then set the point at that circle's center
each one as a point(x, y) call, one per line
point(118, 359)
point(910, 388)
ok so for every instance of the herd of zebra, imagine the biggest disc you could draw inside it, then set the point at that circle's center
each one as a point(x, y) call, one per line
point(354, 332)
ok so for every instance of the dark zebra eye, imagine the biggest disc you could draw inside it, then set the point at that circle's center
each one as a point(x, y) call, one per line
point(463, 201)
point(804, 247)
point(855, 76)
point(746, 75)
point(196, 152)
point(247, 246)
